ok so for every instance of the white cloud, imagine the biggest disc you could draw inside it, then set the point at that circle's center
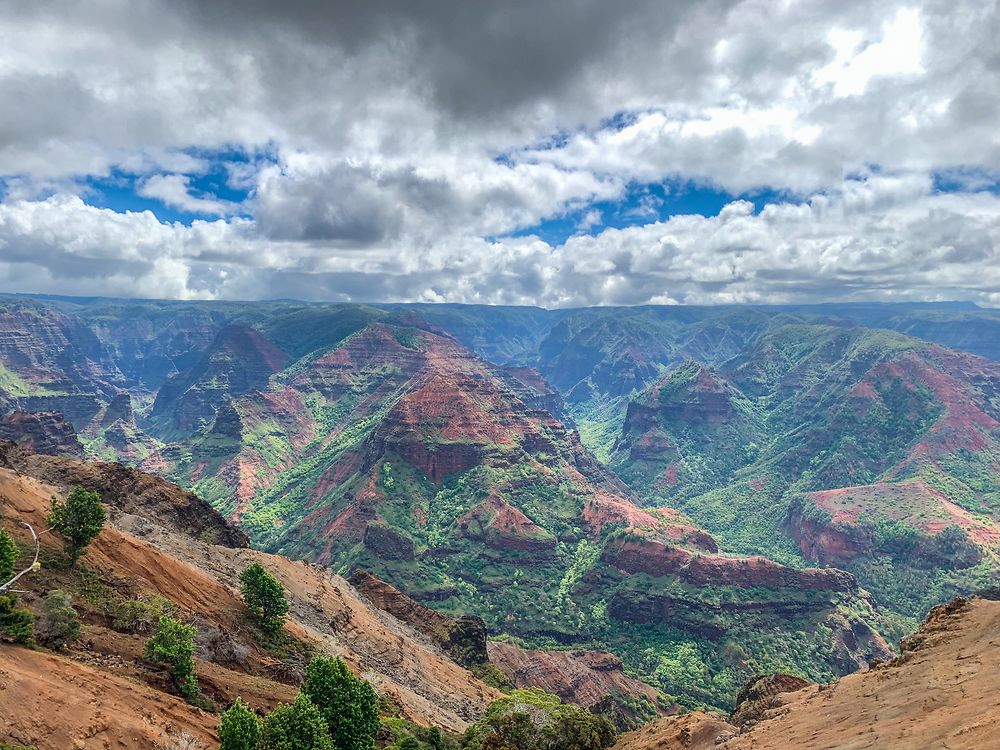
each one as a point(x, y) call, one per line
point(404, 137)
point(174, 190)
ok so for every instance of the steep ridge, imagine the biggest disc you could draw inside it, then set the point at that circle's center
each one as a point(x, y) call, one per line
point(864, 449)
point(51, 362)
point(398, 451)
point(939, 693)
point(141, 552)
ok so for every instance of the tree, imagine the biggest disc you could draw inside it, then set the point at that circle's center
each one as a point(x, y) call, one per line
point(8, 555)
point(58, 624)
point(239, 728)
point(172, 644)
point(78, 520)
point(348, 704)
point(295, 726)
point(264, 596)
point(16, 625)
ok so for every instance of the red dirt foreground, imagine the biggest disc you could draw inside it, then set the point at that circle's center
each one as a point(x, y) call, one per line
point(102, 693)
point(940, 693)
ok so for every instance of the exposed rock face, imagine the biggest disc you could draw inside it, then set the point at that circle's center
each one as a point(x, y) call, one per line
point(41, 432)
point(888, 706)
point(462, 638)
point(657, 558)
point(131, 491)
point(594, 680)
point(228, 421)
point(761, 695)
point(239, 360)
point(503, 527)
point(387, 543)
point(119, 408)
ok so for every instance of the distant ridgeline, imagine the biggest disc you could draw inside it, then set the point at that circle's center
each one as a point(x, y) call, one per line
point(686, 487)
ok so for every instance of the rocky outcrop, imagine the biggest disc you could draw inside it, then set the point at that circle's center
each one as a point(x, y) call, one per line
point(761, 695)
point(919, 700)
point(41, 432)
point(500, 525)
point(594, 680)
point(130, 491)
point(462, 638)
point(387, 543)
point(238, 361)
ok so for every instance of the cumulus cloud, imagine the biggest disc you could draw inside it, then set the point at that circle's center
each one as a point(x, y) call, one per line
point(411, 145)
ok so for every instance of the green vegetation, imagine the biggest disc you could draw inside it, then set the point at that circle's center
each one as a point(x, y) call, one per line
point(295, 726)
point(58, 625)
point(139, 615)
point(536, 720)
point(348, 704)
point(16, 625)
point(172, 644)
point(239, 728)
point(78, 520)
point(264, 596)
point(8, 556)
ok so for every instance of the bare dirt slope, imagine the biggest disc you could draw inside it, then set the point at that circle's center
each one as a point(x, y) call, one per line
point(59, 703)
point(139, 554)
point(943, 693)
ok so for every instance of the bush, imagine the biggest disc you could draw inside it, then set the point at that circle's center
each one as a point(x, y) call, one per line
point(348, 704)
point(295, 726)
point(264, 596)
point(173, 646)
point(78, 520)
point(58, 624)
point(140, 615)
point(239, 728)
point(535, 720)
point(16, 625)
point(8, 556)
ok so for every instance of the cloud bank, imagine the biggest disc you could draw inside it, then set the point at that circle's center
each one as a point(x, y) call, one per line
point(401, 151)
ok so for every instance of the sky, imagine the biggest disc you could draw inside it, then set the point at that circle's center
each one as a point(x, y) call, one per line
point(569, 153)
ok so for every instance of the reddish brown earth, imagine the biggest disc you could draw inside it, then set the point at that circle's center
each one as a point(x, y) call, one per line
point(139, 552)
point(585, 678)
point(502, 526)
point(942, 692)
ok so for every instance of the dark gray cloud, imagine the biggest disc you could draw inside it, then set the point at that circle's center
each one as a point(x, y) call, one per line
point(404, 135)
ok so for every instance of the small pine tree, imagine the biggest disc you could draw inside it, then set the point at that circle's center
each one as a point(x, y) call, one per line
point(295, 726)
point(8, 556)
point(58, 624)
point(348, 704)
point(172, 644)
point(239, 728)
point(264, 596)
point(78, 520)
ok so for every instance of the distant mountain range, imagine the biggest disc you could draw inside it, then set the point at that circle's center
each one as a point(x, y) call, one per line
point(659, 482)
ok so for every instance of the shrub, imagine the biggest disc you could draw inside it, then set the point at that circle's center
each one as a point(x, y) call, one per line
point(239, 728)
point(535, 720)
point(173, 646)
point(8, 556)
point(16, 625)
point(140, 615)
point(78, 520)
point(58, 624)
point(295, 726)
point(348, 704)
point(264, 596)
